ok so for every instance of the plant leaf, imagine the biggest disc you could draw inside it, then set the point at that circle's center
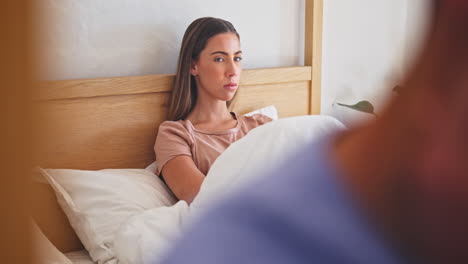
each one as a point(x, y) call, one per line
point(362, 106)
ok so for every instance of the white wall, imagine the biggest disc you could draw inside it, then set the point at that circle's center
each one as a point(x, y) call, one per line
point(417, 18)
point(363, 46)
point(366, 43)
point(98, 38)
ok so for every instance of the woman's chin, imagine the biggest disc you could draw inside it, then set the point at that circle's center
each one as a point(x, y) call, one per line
point(228, 96)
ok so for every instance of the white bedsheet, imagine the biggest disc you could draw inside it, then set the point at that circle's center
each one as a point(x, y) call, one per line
point(79, 257)
point(146, 236)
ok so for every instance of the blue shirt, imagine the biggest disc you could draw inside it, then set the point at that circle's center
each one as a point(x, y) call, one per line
point(299, 213)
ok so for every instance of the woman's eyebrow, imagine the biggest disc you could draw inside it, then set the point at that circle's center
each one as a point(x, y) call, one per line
point(225, 53)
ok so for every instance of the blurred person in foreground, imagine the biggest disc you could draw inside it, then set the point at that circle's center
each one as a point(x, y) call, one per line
point(392, 191)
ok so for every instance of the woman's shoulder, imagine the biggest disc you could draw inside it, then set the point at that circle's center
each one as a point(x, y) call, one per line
point(170, 124)
point(255, 120)
point(177, 124)
point(179, 127)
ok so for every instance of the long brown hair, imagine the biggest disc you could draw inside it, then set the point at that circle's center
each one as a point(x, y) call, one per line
point(184, 92)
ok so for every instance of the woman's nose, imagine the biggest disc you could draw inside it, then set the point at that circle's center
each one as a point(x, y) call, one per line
point(233, 69)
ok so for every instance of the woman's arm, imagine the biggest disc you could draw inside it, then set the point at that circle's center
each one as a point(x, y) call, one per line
point(183, 177)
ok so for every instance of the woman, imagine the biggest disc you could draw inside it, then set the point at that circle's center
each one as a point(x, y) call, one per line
point(201, 126)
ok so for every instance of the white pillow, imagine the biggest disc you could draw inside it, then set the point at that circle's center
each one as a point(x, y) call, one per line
point(98, 202)
point(269, 111)
point(152, 167)
point(44, 252)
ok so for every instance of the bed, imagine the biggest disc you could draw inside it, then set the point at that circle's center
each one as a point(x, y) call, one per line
point(116, 119)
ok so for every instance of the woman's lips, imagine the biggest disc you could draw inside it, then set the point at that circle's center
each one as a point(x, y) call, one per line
point(231, 86)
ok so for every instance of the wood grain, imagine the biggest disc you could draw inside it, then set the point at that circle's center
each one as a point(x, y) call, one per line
point(85, 88)
point(99, 132)
point(291, 99)
point(313, 50)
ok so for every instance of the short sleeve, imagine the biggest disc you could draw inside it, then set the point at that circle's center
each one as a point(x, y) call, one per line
point(173, 140)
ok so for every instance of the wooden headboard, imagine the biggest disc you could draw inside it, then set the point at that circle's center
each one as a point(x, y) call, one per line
point(112, 122)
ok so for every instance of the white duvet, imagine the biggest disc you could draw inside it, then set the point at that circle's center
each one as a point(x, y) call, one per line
point(146, 236)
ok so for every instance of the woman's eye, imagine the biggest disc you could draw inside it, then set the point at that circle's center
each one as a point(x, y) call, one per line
point(237, 59)
point(219, 59)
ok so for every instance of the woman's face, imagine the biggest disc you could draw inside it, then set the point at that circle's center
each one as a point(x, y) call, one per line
point(218, 67)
